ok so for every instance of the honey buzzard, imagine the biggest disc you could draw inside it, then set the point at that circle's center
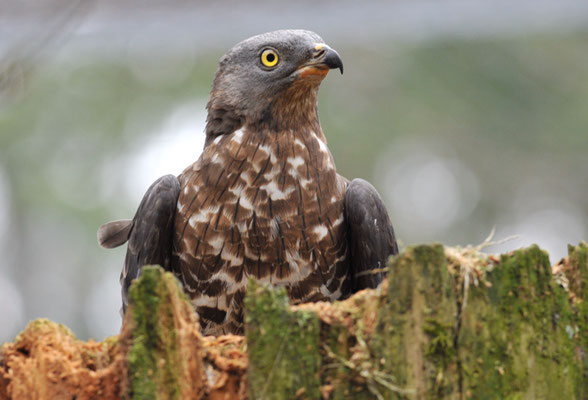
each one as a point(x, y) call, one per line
point(264, 199)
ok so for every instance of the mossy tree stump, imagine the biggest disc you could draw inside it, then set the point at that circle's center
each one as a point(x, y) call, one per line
point(416, 333)
point(163, 341)
point(519, 334)
point(282, 345)
point(447, 324)
point(431, 334)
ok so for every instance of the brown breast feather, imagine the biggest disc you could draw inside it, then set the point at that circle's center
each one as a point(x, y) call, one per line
point(265, 205)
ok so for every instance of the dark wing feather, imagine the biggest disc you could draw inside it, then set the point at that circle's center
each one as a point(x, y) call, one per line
point(370, 234)
point(150, 239)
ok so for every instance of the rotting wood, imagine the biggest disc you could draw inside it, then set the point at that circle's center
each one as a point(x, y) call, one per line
point(448, 323)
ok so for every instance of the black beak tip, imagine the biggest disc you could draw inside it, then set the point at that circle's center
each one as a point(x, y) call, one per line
point(333, 60)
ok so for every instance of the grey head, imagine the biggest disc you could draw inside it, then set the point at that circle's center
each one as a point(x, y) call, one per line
point(262, 73)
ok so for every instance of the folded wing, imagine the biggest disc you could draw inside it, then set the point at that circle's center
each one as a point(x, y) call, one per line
point(149, 233)
point(370, 234)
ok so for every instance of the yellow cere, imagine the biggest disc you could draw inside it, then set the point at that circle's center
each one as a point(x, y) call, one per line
point(269, 58)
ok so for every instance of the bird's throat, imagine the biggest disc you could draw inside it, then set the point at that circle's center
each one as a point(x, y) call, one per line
point(294, 109)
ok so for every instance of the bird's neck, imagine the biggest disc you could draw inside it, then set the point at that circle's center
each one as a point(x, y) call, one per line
point(293, 110)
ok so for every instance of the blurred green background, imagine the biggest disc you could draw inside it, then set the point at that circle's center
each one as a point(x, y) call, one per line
point(465, 116)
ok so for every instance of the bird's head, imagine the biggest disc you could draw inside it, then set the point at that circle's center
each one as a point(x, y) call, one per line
point(269, 81)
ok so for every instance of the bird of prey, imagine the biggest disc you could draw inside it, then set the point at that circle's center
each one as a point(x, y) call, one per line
point(264, 199)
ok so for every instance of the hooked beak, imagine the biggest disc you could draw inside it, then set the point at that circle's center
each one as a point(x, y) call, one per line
point(323, 59)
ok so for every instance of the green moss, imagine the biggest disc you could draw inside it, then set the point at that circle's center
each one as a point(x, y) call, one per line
point(335, 339)
point(153, 358)
point(43, 324)
point(283, 346)
point(141, 358)
point(579, 259)
point(416, 327)
point(440, 347)
point(111, 342)
point(347, 363)
point(579, 264)
point(513, 342)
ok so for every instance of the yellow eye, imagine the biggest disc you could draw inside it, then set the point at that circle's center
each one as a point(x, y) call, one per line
point(269, 58)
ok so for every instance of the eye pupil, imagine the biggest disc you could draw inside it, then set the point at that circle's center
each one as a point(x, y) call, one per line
point(271, 57)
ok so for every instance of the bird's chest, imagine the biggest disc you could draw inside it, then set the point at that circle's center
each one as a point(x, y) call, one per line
point(268, 209)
